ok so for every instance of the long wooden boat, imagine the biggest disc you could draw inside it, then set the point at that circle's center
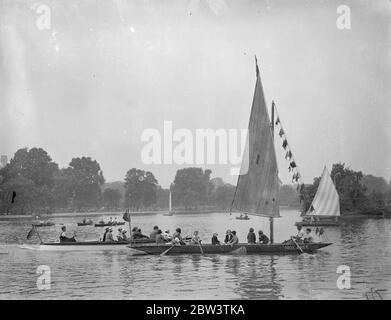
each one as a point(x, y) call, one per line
point(241, 248)
point(109, 224)
point(83, 224)
point(85, 245)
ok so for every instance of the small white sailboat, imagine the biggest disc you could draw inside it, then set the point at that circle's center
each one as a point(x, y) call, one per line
point(325, 208)
point(170, 212)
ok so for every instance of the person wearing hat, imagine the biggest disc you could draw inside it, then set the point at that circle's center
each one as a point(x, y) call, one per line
point(215, 240)
point(105, 234)
point(124, 237)
point(251, 238)
point(119, 235)
point(263, 239)
point(109, 236)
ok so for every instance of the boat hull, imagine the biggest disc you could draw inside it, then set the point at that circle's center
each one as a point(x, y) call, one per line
point(109, 224)
point(317, 223)
point(243, 248)
point(81, 224)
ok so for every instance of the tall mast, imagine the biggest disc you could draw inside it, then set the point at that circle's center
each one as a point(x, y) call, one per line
point(271, 221)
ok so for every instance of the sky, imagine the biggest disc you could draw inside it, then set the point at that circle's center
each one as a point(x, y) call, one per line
point(91, 81)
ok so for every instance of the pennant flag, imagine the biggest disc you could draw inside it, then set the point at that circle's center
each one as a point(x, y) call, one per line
point(31, 233)
point(126, 216)
point(281, 133)
point(277, 121)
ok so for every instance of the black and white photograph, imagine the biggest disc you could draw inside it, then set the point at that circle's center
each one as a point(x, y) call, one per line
point(195, 150)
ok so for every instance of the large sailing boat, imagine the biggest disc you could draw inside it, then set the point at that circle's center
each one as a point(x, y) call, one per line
point(324, 209)
point(256, 192)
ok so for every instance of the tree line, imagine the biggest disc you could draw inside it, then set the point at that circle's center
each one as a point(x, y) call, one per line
point(358, 192)
point(33, 183)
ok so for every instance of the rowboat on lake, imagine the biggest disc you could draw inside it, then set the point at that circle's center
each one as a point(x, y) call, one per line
point(256, 191)
point(43, 224)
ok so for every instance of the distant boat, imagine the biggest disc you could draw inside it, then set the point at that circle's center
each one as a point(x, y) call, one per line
point(324, 210)
point(85, 223)
point(109, 224)
point(245, 217)
point(256, 190)
point(43, 224)
point(170, 212)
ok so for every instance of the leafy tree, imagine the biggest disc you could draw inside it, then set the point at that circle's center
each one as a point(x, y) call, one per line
point(30, 175)
point(87, 178)
point(191, 187)
point(140, 189)
point(111, 198)
point(222, 196)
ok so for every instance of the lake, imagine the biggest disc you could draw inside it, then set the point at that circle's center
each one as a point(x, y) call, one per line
point(362, 244)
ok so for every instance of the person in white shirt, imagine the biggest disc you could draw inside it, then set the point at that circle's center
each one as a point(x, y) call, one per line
point(300, 233)
point(308, 238)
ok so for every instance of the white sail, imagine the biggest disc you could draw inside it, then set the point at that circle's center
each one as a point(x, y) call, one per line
point(326, 200)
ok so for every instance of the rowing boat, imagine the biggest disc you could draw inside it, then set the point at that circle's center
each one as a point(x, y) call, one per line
point(43, 224)
point(113, 224)
point(83, 224)
point(85, 245)
point(242, 248)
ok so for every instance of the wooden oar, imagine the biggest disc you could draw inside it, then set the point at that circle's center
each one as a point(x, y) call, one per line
point(202, 251)
point(166, 251)
point(297, 245)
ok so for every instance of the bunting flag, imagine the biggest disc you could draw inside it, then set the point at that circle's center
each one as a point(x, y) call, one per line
point(31, 233)
point(281, 133)
point(126, 216)
point(284, 143)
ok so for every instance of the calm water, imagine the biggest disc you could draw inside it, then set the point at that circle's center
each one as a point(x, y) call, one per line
point(363, 245)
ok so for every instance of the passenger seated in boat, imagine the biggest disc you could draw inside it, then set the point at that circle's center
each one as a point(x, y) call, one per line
point(115, 221)
point(124, 237)
point(105, 234)
point(300, 233)
point(109, 236)
point(101, 221)
point(251, 238)
point(228, 236)
point(215, 240)
point(159, 237)
point(177, 236)
point(84, 220)
point(119, 235)
point(196, 238)
point(308, 238)
point(262, 237)
point(319, 235)
point(137, 234)
point(166, 235)
point(64, 237)
point(154, 233)
point(234, 239)
point(111, 221)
